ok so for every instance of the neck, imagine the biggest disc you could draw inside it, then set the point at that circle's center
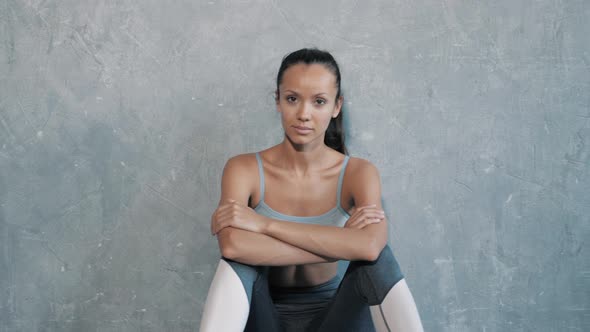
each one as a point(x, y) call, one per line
point(302, 159)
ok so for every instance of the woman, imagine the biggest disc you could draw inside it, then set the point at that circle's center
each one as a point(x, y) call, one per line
point(279, 269)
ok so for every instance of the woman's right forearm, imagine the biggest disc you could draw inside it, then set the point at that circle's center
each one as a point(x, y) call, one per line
point(259, 249)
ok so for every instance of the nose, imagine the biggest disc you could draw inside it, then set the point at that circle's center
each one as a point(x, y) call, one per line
point(304, 112)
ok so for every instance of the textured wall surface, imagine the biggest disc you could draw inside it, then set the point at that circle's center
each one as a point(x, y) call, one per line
point(116, 118)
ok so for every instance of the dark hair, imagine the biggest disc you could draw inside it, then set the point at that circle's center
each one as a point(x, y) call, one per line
point(335, 133)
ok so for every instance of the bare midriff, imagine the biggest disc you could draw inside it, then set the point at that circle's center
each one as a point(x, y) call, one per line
point(302, 275)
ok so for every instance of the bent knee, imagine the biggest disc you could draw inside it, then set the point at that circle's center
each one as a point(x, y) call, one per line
point(373, 280)
point(248, 274)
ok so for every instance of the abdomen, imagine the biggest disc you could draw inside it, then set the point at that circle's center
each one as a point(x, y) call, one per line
point(301, 275)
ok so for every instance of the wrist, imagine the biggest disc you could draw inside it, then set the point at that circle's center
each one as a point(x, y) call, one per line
point(266, 225)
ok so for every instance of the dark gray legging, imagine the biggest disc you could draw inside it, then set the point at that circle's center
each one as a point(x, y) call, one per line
point(364, 284)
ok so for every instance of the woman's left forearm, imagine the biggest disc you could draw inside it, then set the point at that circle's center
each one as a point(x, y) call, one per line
point(330, 241)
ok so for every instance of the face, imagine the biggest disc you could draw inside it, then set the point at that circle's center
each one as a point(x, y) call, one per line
point(307, 101)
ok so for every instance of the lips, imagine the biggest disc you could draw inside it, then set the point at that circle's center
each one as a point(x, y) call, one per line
point(301, 130)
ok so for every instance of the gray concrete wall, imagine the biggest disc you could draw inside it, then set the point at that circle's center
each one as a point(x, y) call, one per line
point(116, 118)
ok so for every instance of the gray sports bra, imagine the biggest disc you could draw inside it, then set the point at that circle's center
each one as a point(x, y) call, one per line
point(335, 217)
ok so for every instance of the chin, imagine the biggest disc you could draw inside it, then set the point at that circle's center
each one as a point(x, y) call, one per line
point(298, 142)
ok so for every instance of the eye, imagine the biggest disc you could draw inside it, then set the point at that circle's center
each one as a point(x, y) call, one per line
point(320, 101)
point(291, 99)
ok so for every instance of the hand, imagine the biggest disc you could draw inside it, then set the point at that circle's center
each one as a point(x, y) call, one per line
point(364, 216)
point(234, 214)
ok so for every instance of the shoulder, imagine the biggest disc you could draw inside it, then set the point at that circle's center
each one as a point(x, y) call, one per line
point(241, 160)
point(239, 177)
point(240, 165)
point(361, 169)
point(363, 181)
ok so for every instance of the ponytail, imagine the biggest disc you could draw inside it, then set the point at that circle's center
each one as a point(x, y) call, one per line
point(335, 134)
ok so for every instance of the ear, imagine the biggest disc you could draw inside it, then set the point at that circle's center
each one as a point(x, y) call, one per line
point(338, 106)
point(277, 101)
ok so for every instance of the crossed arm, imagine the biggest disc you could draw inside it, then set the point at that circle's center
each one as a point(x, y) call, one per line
point(250, 238)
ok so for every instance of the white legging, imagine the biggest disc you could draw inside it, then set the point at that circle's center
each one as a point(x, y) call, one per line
point(227, 306)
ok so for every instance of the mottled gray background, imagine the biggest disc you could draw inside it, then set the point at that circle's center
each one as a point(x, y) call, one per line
point(116, 118)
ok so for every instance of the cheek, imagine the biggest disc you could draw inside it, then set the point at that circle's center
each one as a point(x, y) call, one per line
point(329, 113)
point(326, 120)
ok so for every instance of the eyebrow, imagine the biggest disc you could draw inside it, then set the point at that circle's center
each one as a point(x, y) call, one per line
point(316, 95)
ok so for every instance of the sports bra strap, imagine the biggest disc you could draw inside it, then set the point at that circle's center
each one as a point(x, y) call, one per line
point(340, 179)
point(261, 176)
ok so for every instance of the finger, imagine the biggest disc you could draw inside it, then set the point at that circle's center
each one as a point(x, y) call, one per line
point(223, 206)
point(231, 216)
point(366, 207)
point(372, 214)
point(213, 220)
point(228, 206)
point(358, 225)
point(360, 219)
point(358, 214)
point(226, 216)
point(355, 222)
point(219, 226)
point(215, 228)
point(359, 209)
point(367, 222)
point(369, 208)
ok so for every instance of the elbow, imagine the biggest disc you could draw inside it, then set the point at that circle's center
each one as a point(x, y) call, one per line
point(226, 247)
point(371, 255)
point(228, 252)
point(373, 250)
point(375, 240)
